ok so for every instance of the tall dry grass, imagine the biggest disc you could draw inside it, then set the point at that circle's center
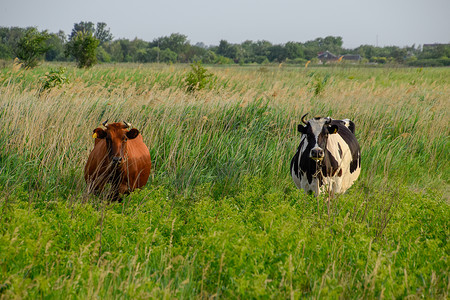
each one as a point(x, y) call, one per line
point(246, 124)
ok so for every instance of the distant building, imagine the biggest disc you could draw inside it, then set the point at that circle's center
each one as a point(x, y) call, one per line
point(352, 57)
point(327, 56)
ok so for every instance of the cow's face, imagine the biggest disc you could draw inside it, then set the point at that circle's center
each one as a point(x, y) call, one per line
point(317, 131)
point(116, 136)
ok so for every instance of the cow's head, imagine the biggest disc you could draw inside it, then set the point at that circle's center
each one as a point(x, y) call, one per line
point(317, 131)
point(116, 136)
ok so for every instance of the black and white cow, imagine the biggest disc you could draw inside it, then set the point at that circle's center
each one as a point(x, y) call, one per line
point(328, 157)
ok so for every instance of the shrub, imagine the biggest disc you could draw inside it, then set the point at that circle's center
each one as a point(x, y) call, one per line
point(53, 78)
point(199, 78)
point(379, 60)
point(439, 62)
point(318, 83)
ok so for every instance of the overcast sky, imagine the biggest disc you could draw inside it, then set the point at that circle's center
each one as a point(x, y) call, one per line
point(388, 22)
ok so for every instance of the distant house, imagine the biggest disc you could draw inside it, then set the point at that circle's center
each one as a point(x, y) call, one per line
point(352, 57)
point(327, 56)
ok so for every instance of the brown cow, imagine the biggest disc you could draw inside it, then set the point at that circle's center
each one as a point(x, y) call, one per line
point(120, 158)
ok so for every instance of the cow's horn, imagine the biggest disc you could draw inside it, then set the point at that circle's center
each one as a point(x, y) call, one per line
point(127, 125)
point(105, 123)
point(303, 119)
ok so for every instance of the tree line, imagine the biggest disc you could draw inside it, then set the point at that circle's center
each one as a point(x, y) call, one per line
point(89, 43)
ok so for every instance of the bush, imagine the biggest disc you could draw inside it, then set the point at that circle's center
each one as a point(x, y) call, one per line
point(379, 60)
point(296, 61)
point(199, 78)
point(222, 60)
point(439, 62)
point(317, 83)
point(53, 78)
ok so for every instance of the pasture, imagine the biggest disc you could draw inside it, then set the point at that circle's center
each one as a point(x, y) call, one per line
point(220, 216)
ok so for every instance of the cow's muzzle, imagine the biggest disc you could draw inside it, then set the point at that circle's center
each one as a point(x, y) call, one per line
point(317, 154)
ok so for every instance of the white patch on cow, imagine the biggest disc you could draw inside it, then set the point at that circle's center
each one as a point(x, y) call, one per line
point(316, 127)
point(346, 122)
point(339, 184)
point(313, 186)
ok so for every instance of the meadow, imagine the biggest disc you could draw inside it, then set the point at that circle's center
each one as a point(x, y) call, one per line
point(220, 216)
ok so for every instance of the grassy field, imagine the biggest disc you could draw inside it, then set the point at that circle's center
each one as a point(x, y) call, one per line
point(221, 216)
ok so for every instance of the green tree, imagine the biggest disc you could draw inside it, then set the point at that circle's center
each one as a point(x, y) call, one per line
point(114, 49)
point(329, 43)
point(56, 44)
point(367, 51)
point(31, 47)
point(232, 51)
point(102, 33)
point(247, 51)
point(168, 56)
point(209, 57)
point(277, 53)
point(294, 50)
point(5, 51)
point(87, 27)
point(102, 55)
point(148, 55)
point(435, 51)
point(176, 42)
point(5, 47)
point(83, 47)
point(262, 48)
point(9, 38)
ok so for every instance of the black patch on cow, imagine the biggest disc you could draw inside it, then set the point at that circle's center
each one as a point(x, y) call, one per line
point(294, 161)
point(351, 126)
point(340, 150)
point(307, 165)
point(330, 164)
point(340, 173)
point(350, 139)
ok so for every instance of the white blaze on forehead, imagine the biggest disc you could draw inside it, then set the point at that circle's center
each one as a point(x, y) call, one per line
point(316, 126)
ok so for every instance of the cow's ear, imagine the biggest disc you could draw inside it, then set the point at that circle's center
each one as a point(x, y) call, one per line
point(332, 129)
point(132, 134)
point(351, 126)
point(301, 128)
point(99, 133)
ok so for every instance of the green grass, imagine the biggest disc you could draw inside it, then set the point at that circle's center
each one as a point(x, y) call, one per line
point(220, 216)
